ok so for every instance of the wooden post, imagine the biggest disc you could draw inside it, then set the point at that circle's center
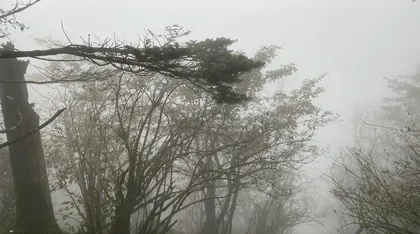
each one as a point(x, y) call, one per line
point(34, 210)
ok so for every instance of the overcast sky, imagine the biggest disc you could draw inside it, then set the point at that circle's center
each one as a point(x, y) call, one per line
point(356, 41)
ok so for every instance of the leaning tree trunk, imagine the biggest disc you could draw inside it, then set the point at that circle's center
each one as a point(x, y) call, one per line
point(34, 211)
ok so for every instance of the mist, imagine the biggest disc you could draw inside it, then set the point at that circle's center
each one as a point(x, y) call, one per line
point(354, 43)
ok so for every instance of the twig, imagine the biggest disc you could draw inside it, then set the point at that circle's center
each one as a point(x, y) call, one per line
point(17, 9)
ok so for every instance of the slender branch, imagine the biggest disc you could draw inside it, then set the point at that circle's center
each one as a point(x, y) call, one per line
point(35, 130)
point(18, 9)
point(100, 53)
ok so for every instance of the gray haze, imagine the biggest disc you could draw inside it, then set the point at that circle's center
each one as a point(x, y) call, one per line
point(357, 42)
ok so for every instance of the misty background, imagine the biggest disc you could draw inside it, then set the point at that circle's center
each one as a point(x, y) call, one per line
point(357, 42)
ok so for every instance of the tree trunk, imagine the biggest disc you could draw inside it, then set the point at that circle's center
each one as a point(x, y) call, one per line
point(211, 225)
point(232, 211)
point(34, 210)
point(7, 196)
point(124, 208)
point(122, 219)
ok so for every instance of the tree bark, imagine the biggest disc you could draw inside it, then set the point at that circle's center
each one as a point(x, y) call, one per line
point(124, 208)
point(122, 219)
point(34, 210)
point(7, 196)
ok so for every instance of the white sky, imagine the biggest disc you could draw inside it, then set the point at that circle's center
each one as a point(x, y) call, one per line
point(356, 41)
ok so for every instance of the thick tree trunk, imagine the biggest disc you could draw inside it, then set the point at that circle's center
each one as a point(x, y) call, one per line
point(124, 208)
point(7, 198)
point(232, 211)
point(34, 211)
point(122, 219)
point(210, 225)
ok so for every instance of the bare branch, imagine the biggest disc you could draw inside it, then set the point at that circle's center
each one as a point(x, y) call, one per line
point(46, 123)
point(18, 9)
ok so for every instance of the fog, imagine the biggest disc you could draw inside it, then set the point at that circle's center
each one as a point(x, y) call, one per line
point(357, 42)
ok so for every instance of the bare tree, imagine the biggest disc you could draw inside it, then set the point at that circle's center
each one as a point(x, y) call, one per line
point(282, 203)
point(378, 179)
point(123, 135)
point(246, 142)
point(381, 192)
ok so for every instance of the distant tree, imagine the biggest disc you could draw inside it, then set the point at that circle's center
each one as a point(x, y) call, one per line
point(380, 194)
point(378, 179)
point(403, 108)
point(282, 203)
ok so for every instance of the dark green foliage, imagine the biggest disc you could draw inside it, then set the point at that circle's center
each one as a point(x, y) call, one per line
point(220, 67)
point(209, 64)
